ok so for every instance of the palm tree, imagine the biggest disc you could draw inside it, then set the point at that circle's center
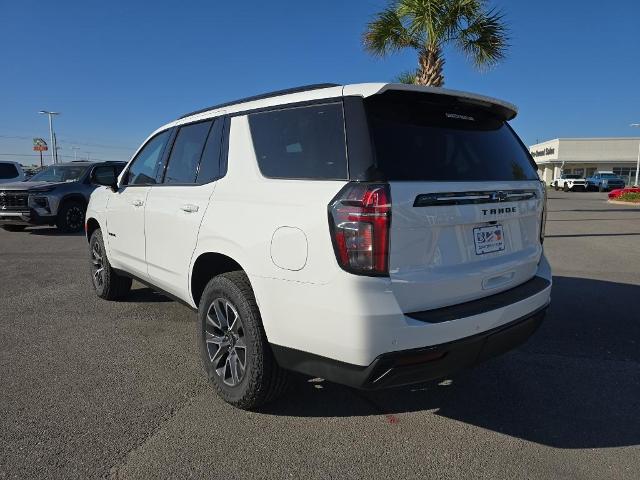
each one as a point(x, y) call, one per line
point(427, 26)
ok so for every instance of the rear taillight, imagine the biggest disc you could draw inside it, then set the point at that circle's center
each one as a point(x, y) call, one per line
point(359, 219)
point(543, 217)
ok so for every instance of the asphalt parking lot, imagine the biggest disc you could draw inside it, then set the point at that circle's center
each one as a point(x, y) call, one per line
point(96, 389)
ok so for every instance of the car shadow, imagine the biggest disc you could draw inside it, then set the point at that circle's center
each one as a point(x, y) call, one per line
point(52, 231)
point(145, 294)
point(574, 384)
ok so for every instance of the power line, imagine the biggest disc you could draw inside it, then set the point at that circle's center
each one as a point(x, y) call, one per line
point(36, 155)
point(64, 140)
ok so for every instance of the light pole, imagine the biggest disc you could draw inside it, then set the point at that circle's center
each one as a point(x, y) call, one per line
point(54, 152)
point(638, 162)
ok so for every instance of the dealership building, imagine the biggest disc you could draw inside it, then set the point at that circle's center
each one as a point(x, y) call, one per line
point(583, 156)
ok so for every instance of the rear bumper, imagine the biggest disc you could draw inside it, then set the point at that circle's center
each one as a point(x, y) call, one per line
point(27, 217)
point(416, 365)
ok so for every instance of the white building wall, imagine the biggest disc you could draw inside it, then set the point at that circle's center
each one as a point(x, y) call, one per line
point(586, 155)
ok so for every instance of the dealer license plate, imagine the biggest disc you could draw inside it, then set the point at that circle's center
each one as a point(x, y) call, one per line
point(488, 239)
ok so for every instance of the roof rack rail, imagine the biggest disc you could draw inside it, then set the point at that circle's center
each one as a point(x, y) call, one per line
point(304, 88)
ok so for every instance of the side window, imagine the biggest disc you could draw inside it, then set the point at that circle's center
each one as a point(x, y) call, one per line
point(104, 175)
point(145, 166)
point(8, 170)
point(210, 163)
point(186, 153)
point(301, 142)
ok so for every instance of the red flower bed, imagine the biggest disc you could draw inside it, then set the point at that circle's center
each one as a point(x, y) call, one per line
point(619, 191)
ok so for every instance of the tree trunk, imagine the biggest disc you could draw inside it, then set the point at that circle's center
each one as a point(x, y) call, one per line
point(430, 64)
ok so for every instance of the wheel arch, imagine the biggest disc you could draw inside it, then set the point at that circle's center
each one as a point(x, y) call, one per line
point(91, 225)
point(72, 197)
point(206, 266)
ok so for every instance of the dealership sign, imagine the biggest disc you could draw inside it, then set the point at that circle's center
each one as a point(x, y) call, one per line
point(39, 145)
point(543, 152)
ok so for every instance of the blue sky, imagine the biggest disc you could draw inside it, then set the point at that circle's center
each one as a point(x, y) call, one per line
point(119, 69)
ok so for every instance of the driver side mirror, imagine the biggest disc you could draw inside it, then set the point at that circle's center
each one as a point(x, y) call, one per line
point(105, 176)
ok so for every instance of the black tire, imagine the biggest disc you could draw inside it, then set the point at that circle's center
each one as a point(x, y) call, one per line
point(14, 228)
point(565, 188)
point(70, 218)
point(555, 186)
point(107, 283)
point(262, 379)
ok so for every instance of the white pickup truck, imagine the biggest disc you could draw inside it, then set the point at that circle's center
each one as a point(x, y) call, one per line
point(570, 182)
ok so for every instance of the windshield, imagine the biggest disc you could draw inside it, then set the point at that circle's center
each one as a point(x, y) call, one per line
point(60, 173)
point(417, 139)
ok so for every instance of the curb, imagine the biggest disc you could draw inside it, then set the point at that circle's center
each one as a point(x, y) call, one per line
point(618, 202)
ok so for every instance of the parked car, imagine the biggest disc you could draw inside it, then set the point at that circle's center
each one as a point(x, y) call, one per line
point(604, 181)
point(57, 195)
point(11, 172)
point(366, 234)
point(569, 182)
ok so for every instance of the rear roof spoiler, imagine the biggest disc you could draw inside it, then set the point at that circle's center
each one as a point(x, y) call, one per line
point(506, 110)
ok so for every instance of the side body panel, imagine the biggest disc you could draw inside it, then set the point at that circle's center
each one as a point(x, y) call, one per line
point(125, 229)
point(173, 215)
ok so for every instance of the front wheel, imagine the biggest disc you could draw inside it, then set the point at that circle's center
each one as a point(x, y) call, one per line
point(555, 186)
point(70, 218)
point(233, 345)
point(565, 188)
point(107, 283)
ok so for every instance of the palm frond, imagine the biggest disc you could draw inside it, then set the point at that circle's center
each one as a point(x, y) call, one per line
point(406, 77)
point(386, 34)
point(424, 18)
point(485, 38)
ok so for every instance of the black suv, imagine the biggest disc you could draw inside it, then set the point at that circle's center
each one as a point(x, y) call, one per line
point(58, 195)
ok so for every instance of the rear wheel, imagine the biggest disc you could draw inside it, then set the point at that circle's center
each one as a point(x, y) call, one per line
point(565, 188)
point(71, 216)
point(106, 282)
point(14, 228)
point(233, 345)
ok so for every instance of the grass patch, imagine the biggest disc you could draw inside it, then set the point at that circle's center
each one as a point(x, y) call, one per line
point(632, 197)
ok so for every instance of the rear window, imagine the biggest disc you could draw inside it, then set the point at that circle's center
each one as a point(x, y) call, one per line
point(417, 139)
point(8, 170)
point(301, 142)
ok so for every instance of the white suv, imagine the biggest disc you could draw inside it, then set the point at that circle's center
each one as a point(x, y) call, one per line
point(373, 235)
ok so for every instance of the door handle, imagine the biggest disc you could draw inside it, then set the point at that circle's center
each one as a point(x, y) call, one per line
point(137, 203)
point(189, 208)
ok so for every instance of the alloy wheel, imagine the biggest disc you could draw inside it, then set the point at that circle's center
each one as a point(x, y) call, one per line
point(97, 265)
point(74, 218)
point(225, 342)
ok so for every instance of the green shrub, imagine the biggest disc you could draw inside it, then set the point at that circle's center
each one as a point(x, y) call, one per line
point(629, 197)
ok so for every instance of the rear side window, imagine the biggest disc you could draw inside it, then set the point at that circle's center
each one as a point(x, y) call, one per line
point(8, 170)
point(186, 153)
point(145, 166)
point(419, 140)
point(301, 142)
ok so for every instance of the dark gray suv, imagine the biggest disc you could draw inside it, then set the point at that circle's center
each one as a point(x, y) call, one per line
point(58, 195)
